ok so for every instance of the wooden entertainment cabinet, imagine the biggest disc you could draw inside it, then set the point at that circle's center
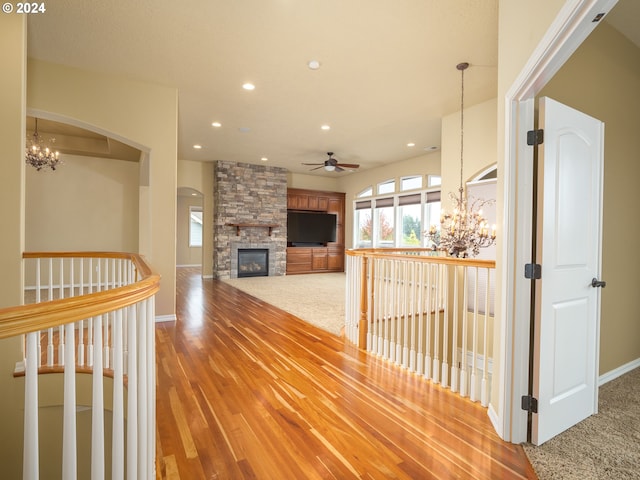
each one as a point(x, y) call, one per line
point(329, 258)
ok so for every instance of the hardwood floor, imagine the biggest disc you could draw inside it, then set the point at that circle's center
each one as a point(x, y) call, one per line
point(245, 390)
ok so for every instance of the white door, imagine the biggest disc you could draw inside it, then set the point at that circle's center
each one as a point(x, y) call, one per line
point(569, 220)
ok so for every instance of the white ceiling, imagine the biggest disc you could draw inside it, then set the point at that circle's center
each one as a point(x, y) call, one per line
point(387, 70)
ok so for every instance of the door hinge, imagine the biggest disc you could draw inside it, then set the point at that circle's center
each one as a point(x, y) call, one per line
point(533, 271)
point(535, 137)
point(530, 403)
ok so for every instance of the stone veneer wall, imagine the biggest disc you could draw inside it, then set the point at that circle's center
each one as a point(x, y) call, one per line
point(245, 193)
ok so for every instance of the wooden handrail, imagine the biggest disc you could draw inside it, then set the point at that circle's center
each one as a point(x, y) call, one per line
point(395, 253)
point(24, 319)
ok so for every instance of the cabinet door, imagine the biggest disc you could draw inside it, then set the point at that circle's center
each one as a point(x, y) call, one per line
point(297, 202)
point(319, 259)
point(299, 260)
point(323, 204)
point(312, 202)
point(336, 205)
point(335, 260)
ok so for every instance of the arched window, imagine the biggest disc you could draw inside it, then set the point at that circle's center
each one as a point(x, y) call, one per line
point(367, 192)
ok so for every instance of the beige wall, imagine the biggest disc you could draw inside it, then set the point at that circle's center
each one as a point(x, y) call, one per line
point(140, 114)
point(601, 79)
point(86, 204)
point(12, 138)
point(480, 149)
point(315, 182)
point(199, 176)
point(480, 153)
point(521, 26)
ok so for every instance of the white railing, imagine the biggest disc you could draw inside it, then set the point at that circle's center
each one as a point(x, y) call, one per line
point(432, 315)
point(89, 313)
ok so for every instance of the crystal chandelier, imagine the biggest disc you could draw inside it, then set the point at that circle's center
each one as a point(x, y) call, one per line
point(465, 231)
point(38, 155)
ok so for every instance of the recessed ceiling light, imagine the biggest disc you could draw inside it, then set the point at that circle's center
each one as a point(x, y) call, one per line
point(325, 127)
point(249, 86)
point(194, 194)
point(411, 144)
point(313, 64)
point(431, 148)
point(197, 147)
point(216, 124)
point(264, 159)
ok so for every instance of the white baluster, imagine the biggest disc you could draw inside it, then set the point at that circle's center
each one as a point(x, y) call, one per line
point(372, 338)
point(436, 327)
point(394, 316)
point(132, 396)
point(420, 348)
point(463, 371)
point(105, 334)
point(117, 444)
point(97, 412)
point(69, 460)
point(81, 346)
point(408, 287)
point(444, 377)
point(415, 306)
point(38, 300)
point(61, 336)
point(484, 394)
point(50, 346)
point(151, 386)
point(143, 389)
point(428, 362)
point(30, 457)
point(90, 321)
point(474, 341)
point(455, 368)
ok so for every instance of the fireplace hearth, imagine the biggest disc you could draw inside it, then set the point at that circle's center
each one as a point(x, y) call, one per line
point(253, 262)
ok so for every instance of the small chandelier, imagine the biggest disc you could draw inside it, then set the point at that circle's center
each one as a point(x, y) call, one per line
point(465, 231)
point(38, 155)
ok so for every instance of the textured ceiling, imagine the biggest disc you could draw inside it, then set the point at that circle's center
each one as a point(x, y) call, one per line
point(387, 70)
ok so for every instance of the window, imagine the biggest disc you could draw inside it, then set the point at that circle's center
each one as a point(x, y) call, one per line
point(387, 187)
point(195, 226)
point(410, 210)
point(367, 192)
point(364, 225)
point(432, 212)
point(384, 226)
point(434, 180)
point(393, 219)
point(411, 183)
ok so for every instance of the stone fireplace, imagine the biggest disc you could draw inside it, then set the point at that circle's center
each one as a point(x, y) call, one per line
point(250, 213)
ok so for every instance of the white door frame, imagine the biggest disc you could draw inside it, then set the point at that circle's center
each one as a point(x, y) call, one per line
point(571, 27)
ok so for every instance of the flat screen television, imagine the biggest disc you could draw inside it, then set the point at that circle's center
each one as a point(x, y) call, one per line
point(310, 228)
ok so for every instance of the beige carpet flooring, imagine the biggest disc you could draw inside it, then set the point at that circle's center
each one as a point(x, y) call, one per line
point(604, 446)
point(317, 298)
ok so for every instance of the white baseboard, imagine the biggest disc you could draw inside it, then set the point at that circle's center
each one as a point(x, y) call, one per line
point(189, 266)
point(166, 318)
point(479, 361)
point(207, 276)
point(495, 420)
point(617, 372)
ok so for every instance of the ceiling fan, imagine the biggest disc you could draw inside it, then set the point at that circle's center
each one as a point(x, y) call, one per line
point(331, 165)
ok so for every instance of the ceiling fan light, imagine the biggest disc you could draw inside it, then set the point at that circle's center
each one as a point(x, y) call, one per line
point(329, 168)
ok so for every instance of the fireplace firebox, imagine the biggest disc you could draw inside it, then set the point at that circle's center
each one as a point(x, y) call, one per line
point(253, 262)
